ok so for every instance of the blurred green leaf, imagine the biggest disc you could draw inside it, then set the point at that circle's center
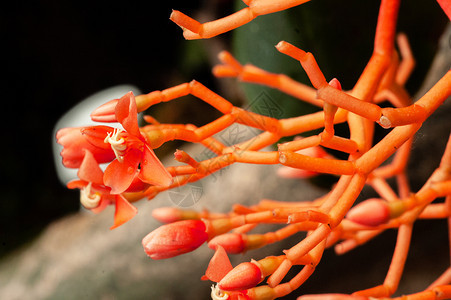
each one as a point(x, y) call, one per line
point(254, 43)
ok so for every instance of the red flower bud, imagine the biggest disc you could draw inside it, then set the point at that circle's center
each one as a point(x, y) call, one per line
point(371, 212)
point(105, 112)
point(335, 84)
point(232, 243)
point(244, 276)
point(174, 239)
point(167, 214)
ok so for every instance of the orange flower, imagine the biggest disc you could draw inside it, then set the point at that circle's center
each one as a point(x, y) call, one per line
point(75, 144)
point(95, 196)
point(132, 152)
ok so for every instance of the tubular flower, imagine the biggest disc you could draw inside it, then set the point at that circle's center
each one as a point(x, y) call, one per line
point(95, 196)
point(75, 143)
point(174, 239)
point(133, 154)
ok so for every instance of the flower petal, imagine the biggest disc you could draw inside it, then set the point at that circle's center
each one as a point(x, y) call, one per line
point(152, 170)
point(446, 6)
point(90, 170)
point(124, 211)
point(127, 114)
point(219, 266)
point(104, 202)
point(76, 184)
point(96, 135)
point(74, 143)
point(119, 175)
point(137, 185)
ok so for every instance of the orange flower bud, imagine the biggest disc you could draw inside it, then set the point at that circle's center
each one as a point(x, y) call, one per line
point(244, 276)
point(371, 212)
point(174, 239)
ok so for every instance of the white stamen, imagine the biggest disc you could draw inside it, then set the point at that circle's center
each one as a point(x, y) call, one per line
point(88, 199)
point(117, 144)
point(217, 294)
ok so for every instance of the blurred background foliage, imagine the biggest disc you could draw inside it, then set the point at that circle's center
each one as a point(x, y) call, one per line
point(57, 53)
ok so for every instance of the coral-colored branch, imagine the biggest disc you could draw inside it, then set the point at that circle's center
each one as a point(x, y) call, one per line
point(333, 220)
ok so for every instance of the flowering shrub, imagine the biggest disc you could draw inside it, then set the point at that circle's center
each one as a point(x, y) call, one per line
point(332, 220)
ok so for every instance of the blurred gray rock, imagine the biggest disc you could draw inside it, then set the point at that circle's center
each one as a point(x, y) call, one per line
point(78, 257)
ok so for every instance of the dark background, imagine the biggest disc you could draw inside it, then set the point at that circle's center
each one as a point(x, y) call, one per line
point(56, 53)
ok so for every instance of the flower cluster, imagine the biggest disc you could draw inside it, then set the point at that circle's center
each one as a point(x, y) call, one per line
point(133, 166)
point(330, 221)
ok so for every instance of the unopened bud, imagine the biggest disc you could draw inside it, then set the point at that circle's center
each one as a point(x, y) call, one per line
point(335, 84)
point(106, 112)
point(371, 212)
point(173, 214)
point(167, 214)
point(244, 276)
point(232, 243)
point(174, 239)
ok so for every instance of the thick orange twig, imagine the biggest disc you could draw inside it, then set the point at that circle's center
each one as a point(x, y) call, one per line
point(332, 220)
